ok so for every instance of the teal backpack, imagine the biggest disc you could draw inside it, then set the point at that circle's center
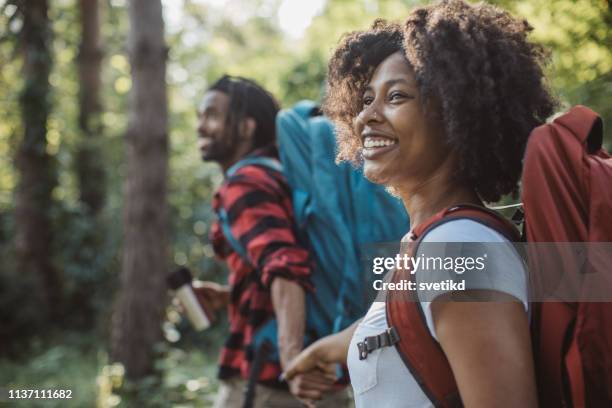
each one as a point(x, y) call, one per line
point(338, 213)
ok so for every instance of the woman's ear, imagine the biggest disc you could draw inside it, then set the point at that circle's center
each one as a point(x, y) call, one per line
point(247, 128)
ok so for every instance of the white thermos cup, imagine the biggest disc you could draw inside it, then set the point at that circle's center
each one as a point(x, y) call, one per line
point(180, 281)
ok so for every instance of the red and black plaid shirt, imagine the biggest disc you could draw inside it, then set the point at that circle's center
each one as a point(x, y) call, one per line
point(258, 204)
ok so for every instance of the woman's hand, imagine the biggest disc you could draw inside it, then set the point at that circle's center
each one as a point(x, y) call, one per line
point(312, 372)
point(311, 359)
point(322, 355)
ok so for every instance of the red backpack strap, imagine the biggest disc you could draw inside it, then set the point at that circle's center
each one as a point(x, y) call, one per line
point(483, 215)
point(419, 351)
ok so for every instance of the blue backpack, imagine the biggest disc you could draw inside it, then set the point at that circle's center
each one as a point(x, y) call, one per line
point(338, 212)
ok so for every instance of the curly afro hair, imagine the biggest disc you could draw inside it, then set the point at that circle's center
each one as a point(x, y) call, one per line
point(476, 62)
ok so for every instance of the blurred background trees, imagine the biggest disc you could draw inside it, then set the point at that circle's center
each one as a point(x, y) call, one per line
point(138, 314)
point(89, 166)
point(72, 243)
point(34, 165)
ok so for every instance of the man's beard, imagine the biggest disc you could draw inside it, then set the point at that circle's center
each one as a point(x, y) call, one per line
point(220, 150)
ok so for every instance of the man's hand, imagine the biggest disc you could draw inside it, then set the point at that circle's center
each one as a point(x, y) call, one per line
point(309, 378)
point(311, 385)
point(211, 296)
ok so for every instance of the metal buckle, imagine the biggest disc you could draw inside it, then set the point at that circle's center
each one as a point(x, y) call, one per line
point(371, 343)
point(363, 351)
point(393, 336)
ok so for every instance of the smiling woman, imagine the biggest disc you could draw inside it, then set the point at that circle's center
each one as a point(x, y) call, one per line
point(435, 111)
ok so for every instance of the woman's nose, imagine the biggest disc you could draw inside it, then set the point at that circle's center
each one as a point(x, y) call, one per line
point(369, 114)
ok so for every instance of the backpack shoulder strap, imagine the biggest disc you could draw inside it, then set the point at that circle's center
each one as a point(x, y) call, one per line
point(267, 162)
point(482, 215)
point(419, 351)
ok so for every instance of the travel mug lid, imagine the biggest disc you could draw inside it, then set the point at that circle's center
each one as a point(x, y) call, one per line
point(179, 278)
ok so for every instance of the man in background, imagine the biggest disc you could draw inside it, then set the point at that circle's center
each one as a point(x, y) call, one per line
point(236, 121)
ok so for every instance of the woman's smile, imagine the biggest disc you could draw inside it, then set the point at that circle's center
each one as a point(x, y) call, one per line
point(375, 146)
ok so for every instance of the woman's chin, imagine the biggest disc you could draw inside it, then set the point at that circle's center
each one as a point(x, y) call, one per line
point(375, 173)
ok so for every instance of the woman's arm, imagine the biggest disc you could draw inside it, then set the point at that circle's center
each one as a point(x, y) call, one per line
point(322, 353)
point(489, 349)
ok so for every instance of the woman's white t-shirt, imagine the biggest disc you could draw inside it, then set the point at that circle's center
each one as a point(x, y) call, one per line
point(382, 380)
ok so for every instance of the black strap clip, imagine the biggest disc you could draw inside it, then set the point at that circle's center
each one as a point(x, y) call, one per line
point(388, 338)
point(518, 218)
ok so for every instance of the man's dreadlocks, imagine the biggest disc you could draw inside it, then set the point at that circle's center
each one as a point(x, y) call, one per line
point(249, 100)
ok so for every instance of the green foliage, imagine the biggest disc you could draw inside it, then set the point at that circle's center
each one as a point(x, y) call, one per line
point(69, 363)
point(578, 35)
point(88, 249)
point(185, 377)
point(78, 362)
point(184, 371)
point(305, 76)
point(9, 127)
point(20, 310)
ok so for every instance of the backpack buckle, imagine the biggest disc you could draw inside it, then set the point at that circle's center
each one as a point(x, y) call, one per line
point(363, 351)
point(394, 337)
point(388, 338)
point(368, 345)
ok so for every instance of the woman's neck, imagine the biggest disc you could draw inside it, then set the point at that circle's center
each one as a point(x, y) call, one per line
point(423, 199)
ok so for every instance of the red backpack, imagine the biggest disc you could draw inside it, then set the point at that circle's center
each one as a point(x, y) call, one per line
point(567, 197)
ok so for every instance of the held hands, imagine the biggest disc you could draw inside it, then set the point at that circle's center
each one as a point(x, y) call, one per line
point(311, 386)
point(309, 376)
point(322, 354)
point(320, 358)
point(288, 300)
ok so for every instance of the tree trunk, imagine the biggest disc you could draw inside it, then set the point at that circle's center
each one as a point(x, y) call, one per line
point(137, 321)
point(37, 173)
point(89, 163)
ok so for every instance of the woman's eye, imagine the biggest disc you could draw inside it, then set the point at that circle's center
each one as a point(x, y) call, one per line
point(395, 96)
point(367, 100)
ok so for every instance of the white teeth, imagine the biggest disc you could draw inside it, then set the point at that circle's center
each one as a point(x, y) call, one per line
point(372, 142)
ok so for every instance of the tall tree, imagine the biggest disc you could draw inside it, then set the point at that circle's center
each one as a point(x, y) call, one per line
point(89, 164)
point(36, 170)
point(137, 321)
